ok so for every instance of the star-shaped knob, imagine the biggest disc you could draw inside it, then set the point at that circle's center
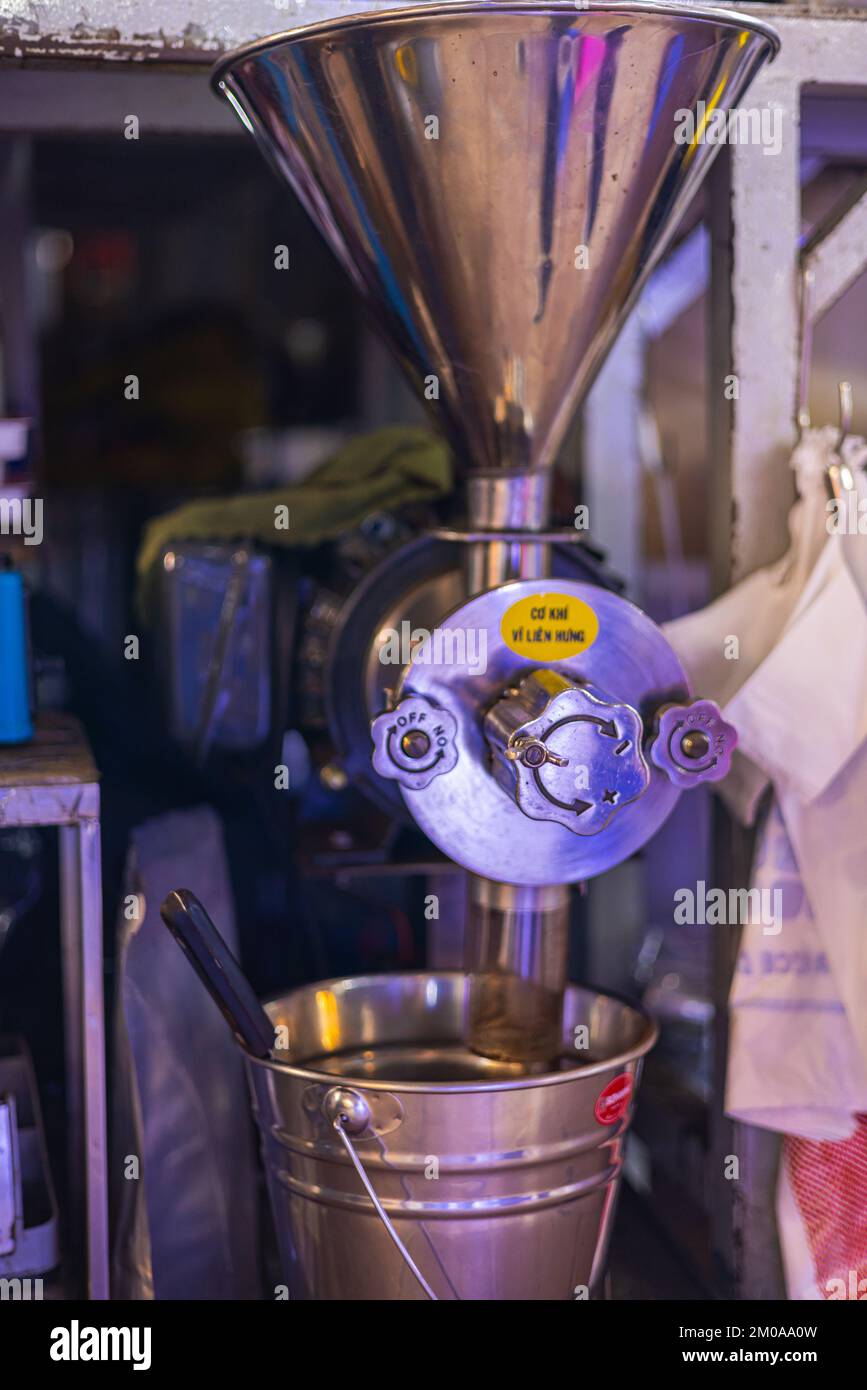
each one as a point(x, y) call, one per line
point(414, 742)
point(693, 743)
point(566, 752)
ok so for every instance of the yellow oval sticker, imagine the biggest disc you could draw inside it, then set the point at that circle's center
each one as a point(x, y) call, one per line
point(549, 627)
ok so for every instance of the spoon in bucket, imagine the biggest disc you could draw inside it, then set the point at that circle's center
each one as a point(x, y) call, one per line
point(219, 972)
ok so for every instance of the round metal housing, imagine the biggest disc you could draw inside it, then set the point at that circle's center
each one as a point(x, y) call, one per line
point(467, 812)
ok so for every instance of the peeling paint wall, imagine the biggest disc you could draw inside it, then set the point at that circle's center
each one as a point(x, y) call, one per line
point(197, 31)
point(154, 30)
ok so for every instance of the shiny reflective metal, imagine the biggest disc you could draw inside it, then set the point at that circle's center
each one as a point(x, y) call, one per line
point(693, 743)
point(500, 1184)
point(516, 949)
point(567, 752)
point(467, 812)
point(507, 501)
point(497, 180)
point(499, 504)
point(350, 1115)
point(493, 560)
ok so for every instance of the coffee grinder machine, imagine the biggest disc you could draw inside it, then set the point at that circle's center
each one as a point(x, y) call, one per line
point(498, 180)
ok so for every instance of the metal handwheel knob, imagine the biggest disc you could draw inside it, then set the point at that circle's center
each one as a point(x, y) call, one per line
point(414, 742)
point(693, 743)
point(566, 752)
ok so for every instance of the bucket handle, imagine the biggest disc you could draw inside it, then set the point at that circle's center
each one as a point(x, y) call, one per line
point(349, 1113)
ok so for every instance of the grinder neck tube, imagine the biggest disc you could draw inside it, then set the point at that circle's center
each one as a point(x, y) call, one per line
point(516, 956)
point(505, 504)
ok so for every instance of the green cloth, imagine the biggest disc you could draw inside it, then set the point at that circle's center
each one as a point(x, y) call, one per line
point(380, 471)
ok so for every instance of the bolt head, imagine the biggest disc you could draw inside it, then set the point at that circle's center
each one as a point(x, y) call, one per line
point(415, 743)
point(347, 1108)
point(533, 755)
point(695, 744)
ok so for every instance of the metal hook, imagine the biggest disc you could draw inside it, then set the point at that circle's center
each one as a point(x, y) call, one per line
point(808, 280)
point(844, 388)
point(845, 396)
point(839, 476)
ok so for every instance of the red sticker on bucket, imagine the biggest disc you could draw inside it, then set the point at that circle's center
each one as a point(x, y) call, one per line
point(613, 1100)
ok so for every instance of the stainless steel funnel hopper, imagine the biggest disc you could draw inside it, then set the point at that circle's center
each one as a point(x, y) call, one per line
point(498, 179)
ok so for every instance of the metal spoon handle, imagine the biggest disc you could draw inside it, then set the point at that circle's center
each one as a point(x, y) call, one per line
point(218, 970)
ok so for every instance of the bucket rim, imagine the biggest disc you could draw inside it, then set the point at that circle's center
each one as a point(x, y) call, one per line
point(622, 1060)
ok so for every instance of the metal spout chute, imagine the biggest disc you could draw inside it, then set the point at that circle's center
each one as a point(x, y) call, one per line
point(498, 180)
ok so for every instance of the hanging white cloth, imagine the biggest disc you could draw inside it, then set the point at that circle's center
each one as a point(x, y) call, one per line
point(785, 653)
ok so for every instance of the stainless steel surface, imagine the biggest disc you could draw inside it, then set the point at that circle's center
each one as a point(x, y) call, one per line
point(515, 954)
point(497, 180)
point(490, 563)
point(507, 505)
point(499, 1183)
point(403, 598)
point(509, 501)
point(466, 812)
point(567, 752)
point(349, 1114)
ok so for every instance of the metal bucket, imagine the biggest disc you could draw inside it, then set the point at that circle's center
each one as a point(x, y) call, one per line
point(401, 1165)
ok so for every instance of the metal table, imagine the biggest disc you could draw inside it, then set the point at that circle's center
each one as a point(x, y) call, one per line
point(54, 781)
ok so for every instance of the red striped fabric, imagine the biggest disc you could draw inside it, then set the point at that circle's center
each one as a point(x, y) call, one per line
point(829, 1181)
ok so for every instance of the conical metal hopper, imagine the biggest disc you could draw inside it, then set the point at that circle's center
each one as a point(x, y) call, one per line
point(498, 180)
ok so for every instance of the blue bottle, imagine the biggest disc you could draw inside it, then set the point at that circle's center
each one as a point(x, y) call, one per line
point(16, 725)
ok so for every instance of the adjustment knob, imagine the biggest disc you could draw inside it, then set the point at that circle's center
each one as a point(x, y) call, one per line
point(566, 752)
point(414, 742)
point(693, 743)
